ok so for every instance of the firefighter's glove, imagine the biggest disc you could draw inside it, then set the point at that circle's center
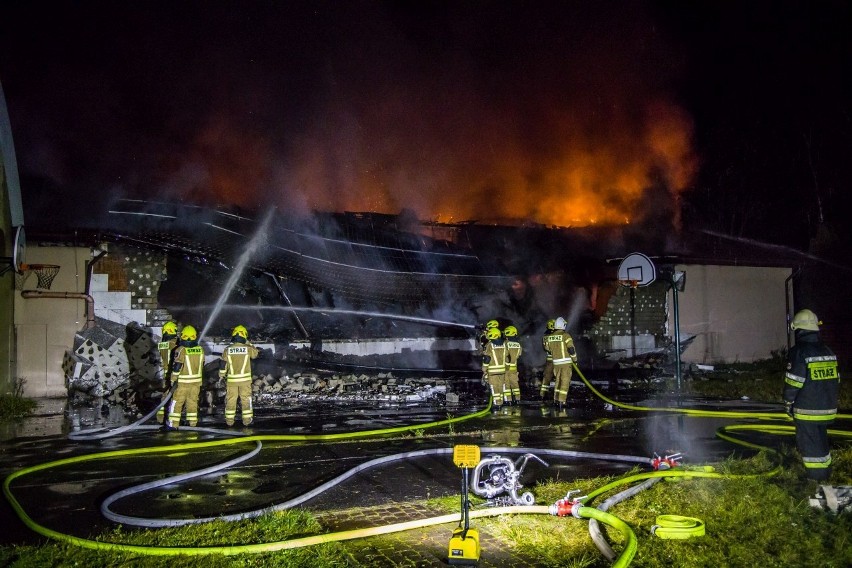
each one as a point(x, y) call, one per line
point(789, 409)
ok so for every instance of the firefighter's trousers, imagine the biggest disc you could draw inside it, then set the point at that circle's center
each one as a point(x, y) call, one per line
point(238, 390)
point(186, 394)
point(562, 374)
point(812, 442)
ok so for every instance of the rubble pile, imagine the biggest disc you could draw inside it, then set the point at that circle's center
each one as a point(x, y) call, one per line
point(110, 361)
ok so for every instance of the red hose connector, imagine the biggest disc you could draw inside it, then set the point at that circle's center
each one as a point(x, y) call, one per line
point(667, 462)
point(567, 506)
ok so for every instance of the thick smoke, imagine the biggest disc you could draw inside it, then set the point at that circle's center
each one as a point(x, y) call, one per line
point(557, 113)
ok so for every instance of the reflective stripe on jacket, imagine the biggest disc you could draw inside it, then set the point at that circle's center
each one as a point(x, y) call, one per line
point(812, 380)
point(237, 357)
point(561, 346)
point(192, 364)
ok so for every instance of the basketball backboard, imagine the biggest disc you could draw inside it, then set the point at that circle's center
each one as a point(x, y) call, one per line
point(636, 270)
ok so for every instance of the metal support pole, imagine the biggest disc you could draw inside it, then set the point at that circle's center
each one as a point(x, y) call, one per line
point(676, 334)
point(633, 321)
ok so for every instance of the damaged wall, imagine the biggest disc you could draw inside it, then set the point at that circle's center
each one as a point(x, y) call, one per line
point(125, 284)
point(625, 331)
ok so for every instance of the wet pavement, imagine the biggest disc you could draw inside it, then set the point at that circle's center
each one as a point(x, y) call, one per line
point(67, 498)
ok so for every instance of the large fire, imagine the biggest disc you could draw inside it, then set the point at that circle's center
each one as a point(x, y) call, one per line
point(576, 177)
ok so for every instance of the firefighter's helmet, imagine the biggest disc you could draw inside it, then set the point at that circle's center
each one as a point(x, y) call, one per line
point(492, 324)
point(510, 331)
point(805, 319)
point(550, 324)
point(492, 333)
point(188, 333)
point(559, 323)
point(241, 331)
point(170, 328)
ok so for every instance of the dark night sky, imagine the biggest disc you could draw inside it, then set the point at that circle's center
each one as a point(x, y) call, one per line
point(561, 112)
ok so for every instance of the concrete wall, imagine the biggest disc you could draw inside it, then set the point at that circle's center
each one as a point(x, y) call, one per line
point(45, 327)
point(737, 313)
point(7, 282)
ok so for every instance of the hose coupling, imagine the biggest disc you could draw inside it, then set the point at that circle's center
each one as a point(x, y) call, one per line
point(567, 506)
point(666, 462)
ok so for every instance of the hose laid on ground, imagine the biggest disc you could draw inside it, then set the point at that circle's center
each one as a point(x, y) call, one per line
point(677, 527)
point(690, 411)
point(102, 433)
point(594, 526)
point(293, 502)
point(228, 550)
point(160, 523)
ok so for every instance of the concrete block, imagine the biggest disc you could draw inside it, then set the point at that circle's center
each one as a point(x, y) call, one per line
point(111, 300)
point(99, 283)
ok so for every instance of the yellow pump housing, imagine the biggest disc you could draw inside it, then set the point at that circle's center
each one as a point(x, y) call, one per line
point(464, 547)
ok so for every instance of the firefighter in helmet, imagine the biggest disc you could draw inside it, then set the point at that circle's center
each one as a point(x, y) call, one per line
point(166, 348)
point(560, 346)
point(494, 365)
point(188, 367)
point(811, 386)
point(513, 352)
point(235, 368)
point(547, 375)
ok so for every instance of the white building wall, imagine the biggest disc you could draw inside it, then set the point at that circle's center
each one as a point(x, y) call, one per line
point(45, 327)
point(737, 313)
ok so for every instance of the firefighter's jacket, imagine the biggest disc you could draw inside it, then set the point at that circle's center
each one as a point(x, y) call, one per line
point(812, 380)
point(166, 347)
point(560, 346)
point(236, 361)
point(494, 357)
point(513, 353)
point(544, 344)
point(188, 365)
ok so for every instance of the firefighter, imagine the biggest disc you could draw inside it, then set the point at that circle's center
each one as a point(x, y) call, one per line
point(811, 386)
point(166, 347)
point(560, 346)
point(188, 367)
point(494, 365)
point(513, 352)
point(547, 376)
point(235, 368)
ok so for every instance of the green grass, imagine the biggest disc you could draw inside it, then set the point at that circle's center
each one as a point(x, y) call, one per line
point(749, 522)
point(269, 528)
point(762, 381)
point(15, 407)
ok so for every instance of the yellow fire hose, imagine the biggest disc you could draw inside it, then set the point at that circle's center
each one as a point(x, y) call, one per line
point(677, 527)
point(583, 511)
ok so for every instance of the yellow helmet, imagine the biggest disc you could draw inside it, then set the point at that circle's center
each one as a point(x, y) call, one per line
point(170, 328)
point(492, 324)
point(510, 331)
point(493, 333)
point(805, 319)
point(188, 333)
point(551, 324)
point(241, 331)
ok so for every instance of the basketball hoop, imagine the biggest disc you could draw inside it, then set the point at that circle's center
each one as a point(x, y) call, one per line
point(45, 273)
point(629, 283)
